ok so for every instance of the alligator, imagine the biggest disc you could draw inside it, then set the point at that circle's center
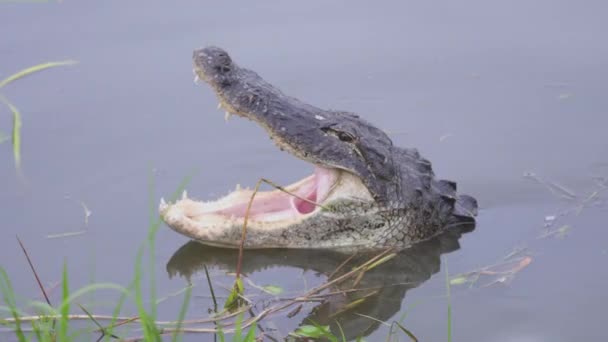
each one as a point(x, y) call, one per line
point(364, 193)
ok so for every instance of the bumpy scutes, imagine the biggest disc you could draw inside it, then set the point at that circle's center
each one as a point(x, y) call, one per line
point(366, 192)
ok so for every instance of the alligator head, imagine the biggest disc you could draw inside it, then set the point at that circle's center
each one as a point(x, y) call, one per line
point(364, 192)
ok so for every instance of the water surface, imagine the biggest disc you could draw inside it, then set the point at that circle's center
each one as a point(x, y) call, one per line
point(486, 91)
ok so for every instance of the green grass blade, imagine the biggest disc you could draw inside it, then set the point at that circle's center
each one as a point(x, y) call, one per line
point(234, 297)
point(315, 331)
point(90, 288)
point(69, 298)
point(447, 289)
point(16, 135)
point(65, 308)
point(42, 308)
point(238, 329)
point(139, 296)
point(341, 331)
point(147, 323)
point(36, 332)
point(9, 299)
point(182, 314)
point(152, 230)
point(117, 310)
point(406, 331)
point(220, 332)
point(250, 337)
point(33, 69)
point(381, 261)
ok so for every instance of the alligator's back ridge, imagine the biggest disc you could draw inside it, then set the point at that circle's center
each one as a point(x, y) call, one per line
point(431, 204)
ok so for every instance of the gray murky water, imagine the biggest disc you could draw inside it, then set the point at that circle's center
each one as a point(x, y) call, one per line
point(487, 91)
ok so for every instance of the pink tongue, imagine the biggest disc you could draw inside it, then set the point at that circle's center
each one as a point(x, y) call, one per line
point(281, 201)
point(304, 207)
point(278, 202)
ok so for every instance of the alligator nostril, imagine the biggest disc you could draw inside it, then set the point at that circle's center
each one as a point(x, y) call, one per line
point(200, 53)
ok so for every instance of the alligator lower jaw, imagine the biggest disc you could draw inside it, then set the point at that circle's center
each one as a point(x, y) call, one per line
point(215, 222)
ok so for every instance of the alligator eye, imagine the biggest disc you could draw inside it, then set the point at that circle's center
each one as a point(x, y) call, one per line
point(222, 68)
point(346, 137)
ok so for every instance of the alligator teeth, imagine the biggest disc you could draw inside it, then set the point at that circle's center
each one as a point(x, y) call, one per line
point(219, 105)
point(196, 79)
point(238, 187)
point(184, 195)
point(163, 205)
point(227, 116)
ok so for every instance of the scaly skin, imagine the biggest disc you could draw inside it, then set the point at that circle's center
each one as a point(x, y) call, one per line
point(404, 203)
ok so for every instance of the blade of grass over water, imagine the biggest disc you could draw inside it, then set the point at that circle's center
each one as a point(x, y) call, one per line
point(147, 324)
point(182, 314)
point(238, 328)
point(234, 299)
point(407, 332)
point(88, 289)
point(34, 69)
point(154, 226)
point(17, 122)
point(314, 331)
point(174, 294)
point(250, 337)
point(110, 328)
point(447, 289)
point(341, 331)
point(16, 135)
point(65, 308)
point(146, 319)
point(9, 299)
point(153, 229)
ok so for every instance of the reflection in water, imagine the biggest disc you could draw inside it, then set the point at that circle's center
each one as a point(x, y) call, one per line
point(383, 287)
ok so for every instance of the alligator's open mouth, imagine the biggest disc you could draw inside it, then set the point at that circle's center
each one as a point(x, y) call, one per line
point(297, 199)
point(273, 210)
